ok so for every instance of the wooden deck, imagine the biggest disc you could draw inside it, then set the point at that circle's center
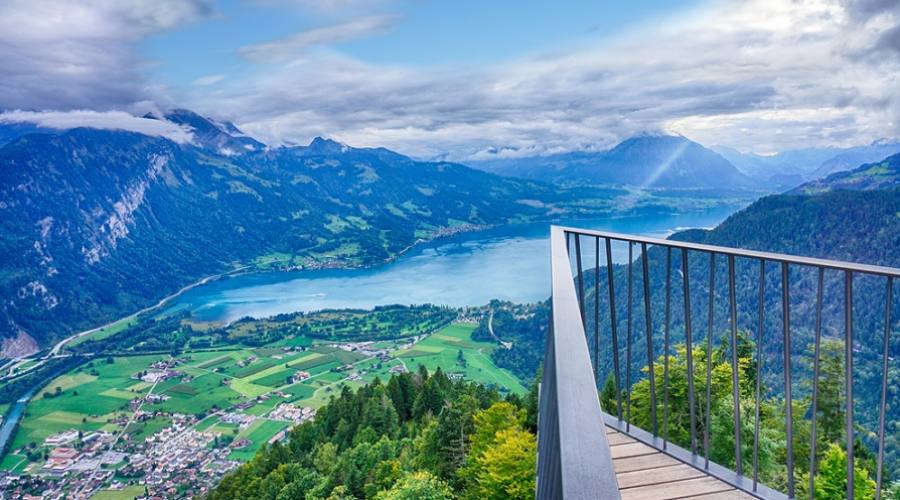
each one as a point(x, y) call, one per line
point(644, 473)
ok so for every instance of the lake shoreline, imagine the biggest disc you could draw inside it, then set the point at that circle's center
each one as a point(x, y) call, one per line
point(276, 297)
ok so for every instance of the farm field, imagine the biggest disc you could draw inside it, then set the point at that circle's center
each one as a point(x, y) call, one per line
point(233, 394)
point(442, 350)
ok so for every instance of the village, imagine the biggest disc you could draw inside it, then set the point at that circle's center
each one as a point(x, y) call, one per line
point(179, 460)
point(171, 426)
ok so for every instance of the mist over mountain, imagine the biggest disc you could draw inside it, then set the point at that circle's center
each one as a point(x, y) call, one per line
point(880, 175)
point(790, 168)
point(646, 160)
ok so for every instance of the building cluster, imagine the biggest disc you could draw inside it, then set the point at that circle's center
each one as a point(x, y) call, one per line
point(176, 462)
point(291, 413)
point(73, 451)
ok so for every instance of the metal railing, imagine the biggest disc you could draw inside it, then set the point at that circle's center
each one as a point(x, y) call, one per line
point(573, 456)
point(574, 460)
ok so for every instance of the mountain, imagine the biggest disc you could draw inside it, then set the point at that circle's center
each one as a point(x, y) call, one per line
point(852, 157)
point(790, 168)
point(781, 171)
point(100, 223)
point(881, 175)
point(646, 160)
point(224, 138)
point(12, 131)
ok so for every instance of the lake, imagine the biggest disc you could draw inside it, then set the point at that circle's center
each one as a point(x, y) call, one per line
point(507, 263)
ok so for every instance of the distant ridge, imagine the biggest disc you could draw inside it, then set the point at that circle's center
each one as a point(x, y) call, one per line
point(103, 222)
point(648, 159)
point(880, 175)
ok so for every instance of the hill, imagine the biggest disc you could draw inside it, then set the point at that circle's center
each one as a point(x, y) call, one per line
point(790, 168)
point(881, 175)
point(646, 160)
point(99, 223)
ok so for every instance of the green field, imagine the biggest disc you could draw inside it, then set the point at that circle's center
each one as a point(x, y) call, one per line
point(442, 350)
point(108, 331)
point(126, 493)
point(95, 394)
point(259, 433)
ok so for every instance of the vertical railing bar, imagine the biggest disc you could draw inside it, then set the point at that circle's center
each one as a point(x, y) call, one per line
point(734, 369)
point(709, 334)
point(789, 417)
point(648, 328)
point(759, 336)
point(889, 303)
point(613, 322)
point(815, 383)
point(690, 349)
point(628, 342)
point(597, 310)
point(668, 316)
point(848, 375)
point(580, 276)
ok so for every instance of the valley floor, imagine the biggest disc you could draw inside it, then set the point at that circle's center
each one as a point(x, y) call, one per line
point(175, 425)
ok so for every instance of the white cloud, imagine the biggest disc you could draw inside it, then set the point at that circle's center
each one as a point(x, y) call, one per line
point(65, 55)
point(290, 47)
point(208, 80)
point(759, 75)
point(110, 120)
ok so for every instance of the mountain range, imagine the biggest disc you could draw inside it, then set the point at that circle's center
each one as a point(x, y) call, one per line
point(646, 160)
point(99, 223)
point(655, 160)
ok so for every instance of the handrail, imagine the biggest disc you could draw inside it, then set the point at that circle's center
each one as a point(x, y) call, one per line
point(574, 460)
point(740, 252)
point(570, 311)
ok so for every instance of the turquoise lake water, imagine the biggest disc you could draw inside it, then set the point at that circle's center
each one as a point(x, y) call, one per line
point(507, 263)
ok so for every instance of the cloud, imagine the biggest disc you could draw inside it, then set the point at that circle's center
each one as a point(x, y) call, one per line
point(756, 75)
point(68, 55)
point(290, 47)
point(208, 80)
point(330, 6)
point(111, 120)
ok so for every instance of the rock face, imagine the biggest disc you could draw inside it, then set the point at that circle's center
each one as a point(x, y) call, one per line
point(95, 224)
point(20, 345)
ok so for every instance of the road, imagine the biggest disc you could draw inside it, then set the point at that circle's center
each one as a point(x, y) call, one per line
point(506, 345)
point(62, 343)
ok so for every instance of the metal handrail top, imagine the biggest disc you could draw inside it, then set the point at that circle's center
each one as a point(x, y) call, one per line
point(739, 252)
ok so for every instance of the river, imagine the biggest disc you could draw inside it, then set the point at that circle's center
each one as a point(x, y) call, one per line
point(507, 263)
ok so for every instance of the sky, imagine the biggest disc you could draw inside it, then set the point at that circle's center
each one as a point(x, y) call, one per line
point(465, 80)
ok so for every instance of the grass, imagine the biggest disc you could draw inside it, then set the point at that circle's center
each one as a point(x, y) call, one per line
point(94, 394)
point(126, 493)
point(259, 433)
point(139, 431)
point(442, 350)
point(276, 379)
point(14, 463)
point(107, 331)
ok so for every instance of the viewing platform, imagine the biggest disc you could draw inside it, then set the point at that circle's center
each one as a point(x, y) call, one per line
point(602, 346)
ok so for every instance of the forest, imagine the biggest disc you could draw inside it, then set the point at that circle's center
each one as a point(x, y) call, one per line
point(421, 435)
point(715, 437)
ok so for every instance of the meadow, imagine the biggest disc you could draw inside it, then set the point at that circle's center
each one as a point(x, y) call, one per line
point(97, 396)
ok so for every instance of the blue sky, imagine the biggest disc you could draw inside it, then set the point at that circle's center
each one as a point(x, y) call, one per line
point(462, 79)
point(420, 33)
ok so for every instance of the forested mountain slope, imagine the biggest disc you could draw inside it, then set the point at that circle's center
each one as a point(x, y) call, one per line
point(99, 223)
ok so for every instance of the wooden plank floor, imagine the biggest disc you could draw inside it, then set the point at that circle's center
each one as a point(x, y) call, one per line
point(647, 474)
